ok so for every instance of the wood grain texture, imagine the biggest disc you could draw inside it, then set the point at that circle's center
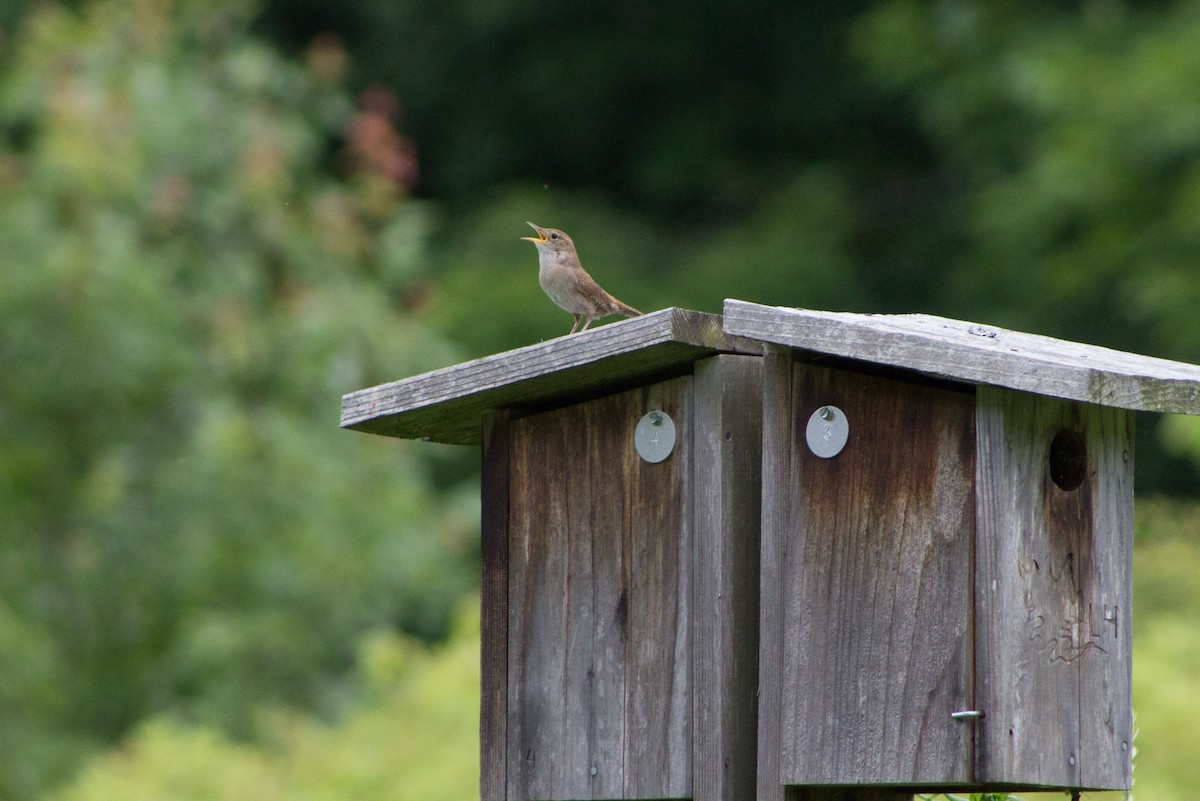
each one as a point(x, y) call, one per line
point(659, 608)
point(446, 405)
point(727, 435)
point(877, 586)
point(1054, 596)
point(979, 354)
point(493, 699)
point(1106, 688)
point(599, 584)
point(775, 527)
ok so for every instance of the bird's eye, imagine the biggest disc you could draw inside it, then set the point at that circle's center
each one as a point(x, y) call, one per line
point(554, 236)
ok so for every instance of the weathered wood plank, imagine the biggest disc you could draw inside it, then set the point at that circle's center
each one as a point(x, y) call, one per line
point(493, 701)
point(658, 543)
point(877, 583)
point(777, 496)
point(538, 609)
point(446, 405)
point(979, 354)
point(1053, 594)
point(597, 583)
point(728, 445)
point(1106, 716)
point(599, 679)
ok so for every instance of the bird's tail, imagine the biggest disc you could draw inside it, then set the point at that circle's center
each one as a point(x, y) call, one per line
point(626, 309)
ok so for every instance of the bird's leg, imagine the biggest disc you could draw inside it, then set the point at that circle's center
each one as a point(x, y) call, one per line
point(578, 319)
point(585, 325)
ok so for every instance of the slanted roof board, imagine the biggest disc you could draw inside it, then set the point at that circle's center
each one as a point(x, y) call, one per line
point(446, 405)
point(979, 354)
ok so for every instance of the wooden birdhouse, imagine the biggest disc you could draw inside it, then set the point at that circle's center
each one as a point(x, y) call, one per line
point(946, 538)
point(798, 554)
point(620, 554)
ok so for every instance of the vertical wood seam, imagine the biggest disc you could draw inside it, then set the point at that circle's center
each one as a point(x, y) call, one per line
point(727, 507)
point(776, 491)
point(694, 506)
point(701, 474)
point(973, 603)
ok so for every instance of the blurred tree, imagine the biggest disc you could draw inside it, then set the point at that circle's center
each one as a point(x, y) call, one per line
point(1075, 134)
point(185, 292)
point(411, 736)
point(1071, 133)
point(673, 106)
point(1165, 643)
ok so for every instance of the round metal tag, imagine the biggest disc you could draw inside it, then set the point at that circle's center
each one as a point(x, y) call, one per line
point(654, 436)
point(827, 432)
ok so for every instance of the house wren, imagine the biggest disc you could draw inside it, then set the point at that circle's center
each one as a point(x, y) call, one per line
point(568, 284)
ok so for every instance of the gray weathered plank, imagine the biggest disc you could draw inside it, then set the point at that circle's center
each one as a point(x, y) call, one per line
point(979, 354)
point(446, 405)
point(493, 663)
point(877, 585)
point(596, 636)
point(1106, 716)
point(777, 495)
point(658, 544)
point(728, 450)
point(537, 610)
point(1053, 596)
point(599, 679)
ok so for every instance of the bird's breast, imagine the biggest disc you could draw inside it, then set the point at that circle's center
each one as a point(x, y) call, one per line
point(561, 284)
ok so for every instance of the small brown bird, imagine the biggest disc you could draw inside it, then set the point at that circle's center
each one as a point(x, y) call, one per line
point(568, 284)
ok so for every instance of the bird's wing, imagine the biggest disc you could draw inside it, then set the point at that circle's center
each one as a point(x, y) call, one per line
point(595, 295)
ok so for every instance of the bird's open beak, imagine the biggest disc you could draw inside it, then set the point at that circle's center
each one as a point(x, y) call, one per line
point(541, 234)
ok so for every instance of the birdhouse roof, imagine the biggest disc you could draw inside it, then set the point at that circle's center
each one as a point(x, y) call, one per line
point(447, 405)
point(978, 354)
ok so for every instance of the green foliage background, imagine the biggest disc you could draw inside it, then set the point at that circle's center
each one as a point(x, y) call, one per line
point(217, 217)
